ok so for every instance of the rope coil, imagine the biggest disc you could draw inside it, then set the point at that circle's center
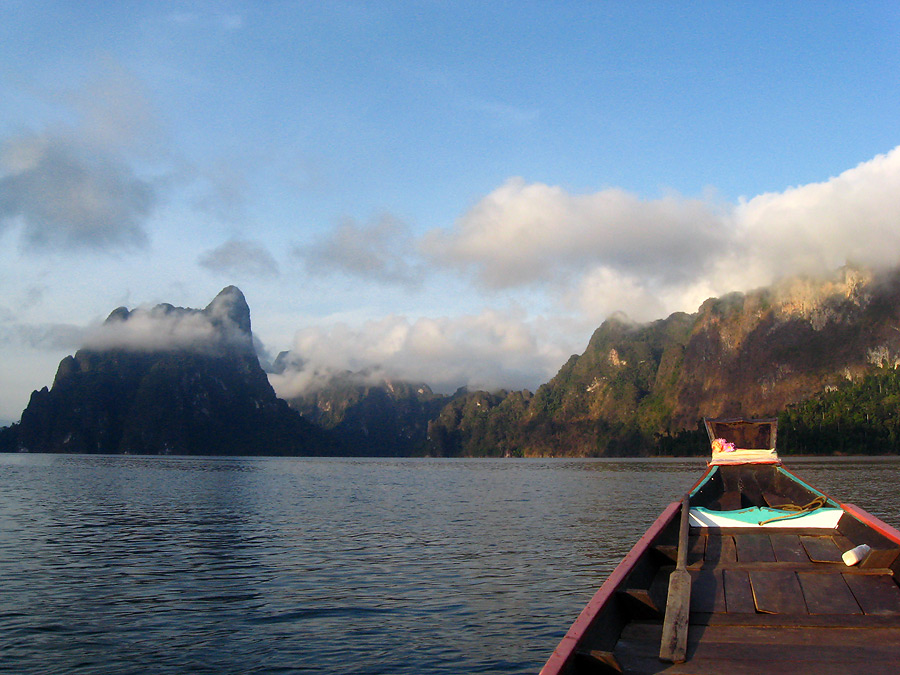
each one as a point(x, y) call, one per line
point(816, 503)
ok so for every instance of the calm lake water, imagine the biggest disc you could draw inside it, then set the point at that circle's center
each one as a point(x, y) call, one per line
point(215, 565)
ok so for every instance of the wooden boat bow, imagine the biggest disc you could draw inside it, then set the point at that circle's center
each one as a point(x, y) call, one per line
point(747, 586)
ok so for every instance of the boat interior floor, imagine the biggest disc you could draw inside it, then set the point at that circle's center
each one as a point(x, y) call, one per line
point(782, 598)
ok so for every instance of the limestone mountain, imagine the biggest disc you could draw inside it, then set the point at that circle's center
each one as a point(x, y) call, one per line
point(165, 380)
point(637, 386)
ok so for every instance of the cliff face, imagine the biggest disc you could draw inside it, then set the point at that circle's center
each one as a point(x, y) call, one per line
point(756, 354)
point(166, 380)
point(743, 354)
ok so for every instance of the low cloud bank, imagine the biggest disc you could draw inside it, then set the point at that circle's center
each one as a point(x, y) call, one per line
point(167, 328)
point(488, 351)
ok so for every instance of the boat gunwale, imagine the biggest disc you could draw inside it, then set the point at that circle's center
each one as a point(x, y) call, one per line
point(568, 645)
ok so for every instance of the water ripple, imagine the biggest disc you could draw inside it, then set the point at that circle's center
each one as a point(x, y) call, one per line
point(236, 565)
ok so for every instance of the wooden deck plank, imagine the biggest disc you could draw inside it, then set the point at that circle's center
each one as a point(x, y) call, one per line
point(754, 548)
point(707, 591)
point(876, 594)
point(827, 594)
point(738, 593)
point(720, 548)
point(777, 592)
point(787, 548)
point(735, 649)
point(821, 548)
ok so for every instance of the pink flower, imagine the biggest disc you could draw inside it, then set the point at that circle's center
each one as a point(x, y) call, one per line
point(722, 445)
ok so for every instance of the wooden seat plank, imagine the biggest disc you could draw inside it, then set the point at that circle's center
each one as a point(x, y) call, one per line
point(720, 548)
point(820, 568)
point(880, 558)
point(777, 592)
point(754, 548)
point(827, 594)
point(876, 594)
point(707, 591)
point(864, 621)
point(787, 548)
point(773, 635)
point(821, 548)
point(738, 593)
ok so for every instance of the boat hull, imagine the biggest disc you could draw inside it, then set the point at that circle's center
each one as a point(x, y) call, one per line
point(765, 598)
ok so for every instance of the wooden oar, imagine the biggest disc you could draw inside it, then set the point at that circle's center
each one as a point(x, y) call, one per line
point(673, 647)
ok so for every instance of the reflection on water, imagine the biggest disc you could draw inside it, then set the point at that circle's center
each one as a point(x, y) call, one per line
point(129, 564)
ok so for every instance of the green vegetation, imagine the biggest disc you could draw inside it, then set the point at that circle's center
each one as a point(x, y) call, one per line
point(859, 417)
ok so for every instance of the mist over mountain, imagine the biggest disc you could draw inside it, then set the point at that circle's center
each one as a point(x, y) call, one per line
point(372, 416)
point(165, 380)
point(821, 352)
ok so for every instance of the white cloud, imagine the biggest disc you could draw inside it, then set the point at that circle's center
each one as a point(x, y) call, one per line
point(488, 350)
point(611, 250)
point(573, 260)
point(851, 218)
point(533, 233)
point(603, 291)
point(153, 330)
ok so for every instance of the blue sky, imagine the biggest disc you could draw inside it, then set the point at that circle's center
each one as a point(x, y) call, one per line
point(455, 192)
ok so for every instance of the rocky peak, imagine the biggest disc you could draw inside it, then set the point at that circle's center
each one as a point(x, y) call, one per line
point(230, 307)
